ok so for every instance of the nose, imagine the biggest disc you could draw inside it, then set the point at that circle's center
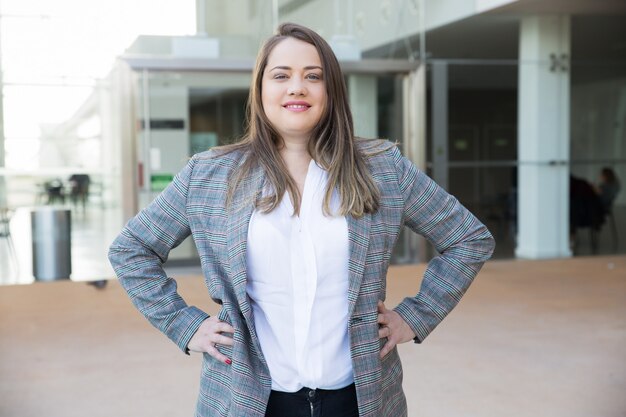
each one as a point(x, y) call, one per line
point(296, 91)
point(296, 87)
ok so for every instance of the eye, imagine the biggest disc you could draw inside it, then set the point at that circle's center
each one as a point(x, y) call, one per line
point(279, 76)
point(314, 76)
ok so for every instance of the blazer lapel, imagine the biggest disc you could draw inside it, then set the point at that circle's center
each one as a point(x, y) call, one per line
point(359, 237)
point(239, 213)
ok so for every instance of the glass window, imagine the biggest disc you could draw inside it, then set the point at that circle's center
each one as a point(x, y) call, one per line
point(60, 117)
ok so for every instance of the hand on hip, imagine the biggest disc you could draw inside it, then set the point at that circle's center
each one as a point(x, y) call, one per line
point(209, 334)
point(393, 327)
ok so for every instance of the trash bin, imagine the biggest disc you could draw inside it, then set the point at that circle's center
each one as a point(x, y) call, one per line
point(52, 243)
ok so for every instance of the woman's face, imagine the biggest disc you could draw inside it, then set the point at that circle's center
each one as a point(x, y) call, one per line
point(293, 91)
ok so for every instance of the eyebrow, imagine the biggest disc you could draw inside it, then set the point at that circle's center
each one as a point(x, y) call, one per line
point(310, 67)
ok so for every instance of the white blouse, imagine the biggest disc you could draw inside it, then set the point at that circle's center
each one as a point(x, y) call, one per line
point(298, 285)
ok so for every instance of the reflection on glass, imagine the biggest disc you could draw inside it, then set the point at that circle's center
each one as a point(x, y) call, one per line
point(598, 112)
point(216, 117)
point(63, 118)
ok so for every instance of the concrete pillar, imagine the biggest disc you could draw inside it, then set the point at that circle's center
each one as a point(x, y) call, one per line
point(363, 91)
point(543, 137)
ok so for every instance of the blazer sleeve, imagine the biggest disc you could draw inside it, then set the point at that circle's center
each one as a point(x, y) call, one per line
point(462, 241)
point(138, 253)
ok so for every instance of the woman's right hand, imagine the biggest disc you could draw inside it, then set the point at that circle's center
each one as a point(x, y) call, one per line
point(208, 335)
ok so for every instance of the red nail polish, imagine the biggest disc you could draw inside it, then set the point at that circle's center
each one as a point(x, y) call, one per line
point(229, 362)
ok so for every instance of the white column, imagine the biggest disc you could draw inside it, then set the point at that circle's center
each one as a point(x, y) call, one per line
point(543, 138)
point(363, 93)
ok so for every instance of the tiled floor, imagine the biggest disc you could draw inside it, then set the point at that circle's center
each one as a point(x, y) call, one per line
point(530, 339)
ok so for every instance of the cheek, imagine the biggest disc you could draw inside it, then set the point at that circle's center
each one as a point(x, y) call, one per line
point(322, 109)
point(264, 98)
point(323, 98)
point(266, 94)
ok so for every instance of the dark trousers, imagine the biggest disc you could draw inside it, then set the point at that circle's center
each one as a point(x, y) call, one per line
point(314, 403)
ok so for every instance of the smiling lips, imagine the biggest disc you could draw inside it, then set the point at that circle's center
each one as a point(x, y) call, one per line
point(297, 106)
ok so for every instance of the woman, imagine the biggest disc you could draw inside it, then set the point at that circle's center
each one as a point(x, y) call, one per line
point(295, 226)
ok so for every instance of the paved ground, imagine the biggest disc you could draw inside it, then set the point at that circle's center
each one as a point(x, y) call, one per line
point(533, 339)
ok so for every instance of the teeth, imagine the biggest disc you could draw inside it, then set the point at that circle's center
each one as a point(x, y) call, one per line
point(296, 106)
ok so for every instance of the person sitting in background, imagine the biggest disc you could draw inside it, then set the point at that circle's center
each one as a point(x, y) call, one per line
point(585, 206)
point(607, 188)
point(585, 210)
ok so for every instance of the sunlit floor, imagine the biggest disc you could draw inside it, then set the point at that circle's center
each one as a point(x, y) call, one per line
point(530, 338)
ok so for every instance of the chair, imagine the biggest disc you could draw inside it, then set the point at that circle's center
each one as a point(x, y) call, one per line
point(54, 191)
point(585, 211)
point(79, 191)
point(608, 190)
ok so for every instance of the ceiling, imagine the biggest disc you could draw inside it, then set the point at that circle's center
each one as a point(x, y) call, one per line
point(572, 7)
point(488, 44)
point(496, 36)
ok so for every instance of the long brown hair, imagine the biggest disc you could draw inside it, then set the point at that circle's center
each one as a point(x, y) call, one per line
point(332, 143)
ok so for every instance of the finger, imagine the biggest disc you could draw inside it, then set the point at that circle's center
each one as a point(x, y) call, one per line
point(384, 332)
point(381, 307)
point(382, 319)
point(220, 339)
point(386, 349)
point(212, 350)
point(223, 327)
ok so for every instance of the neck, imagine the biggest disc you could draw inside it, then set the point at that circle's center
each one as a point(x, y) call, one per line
point(294, 148)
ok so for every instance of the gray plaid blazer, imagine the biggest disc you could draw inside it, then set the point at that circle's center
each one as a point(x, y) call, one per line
point(194, 203)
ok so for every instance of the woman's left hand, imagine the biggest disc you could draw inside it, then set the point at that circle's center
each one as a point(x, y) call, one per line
point(393, 327)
